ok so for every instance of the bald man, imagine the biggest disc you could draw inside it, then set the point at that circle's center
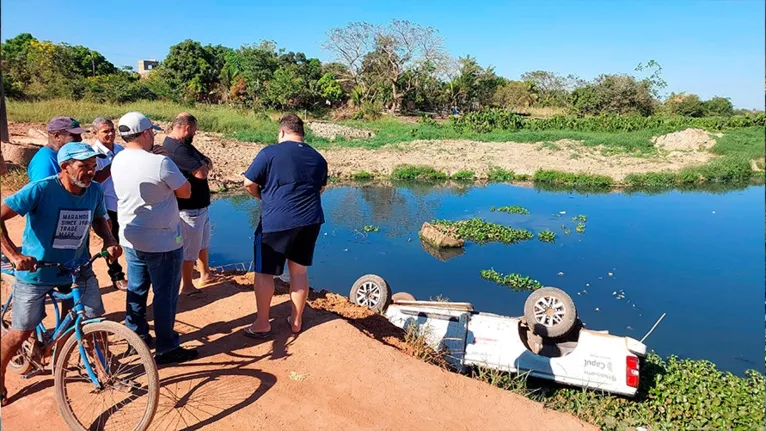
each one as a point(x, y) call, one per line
point(194, 215)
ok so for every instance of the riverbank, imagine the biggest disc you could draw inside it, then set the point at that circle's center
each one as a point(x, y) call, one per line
point(237, 383)
point(294, 382)
point(687, 158)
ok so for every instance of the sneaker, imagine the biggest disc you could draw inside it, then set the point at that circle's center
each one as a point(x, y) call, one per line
point(149, 340)
point(177, 355)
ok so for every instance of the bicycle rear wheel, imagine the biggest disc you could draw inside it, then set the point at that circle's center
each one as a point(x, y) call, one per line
point(127, 372)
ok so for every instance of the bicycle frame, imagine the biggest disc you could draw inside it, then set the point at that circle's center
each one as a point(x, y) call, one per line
point(64, 327)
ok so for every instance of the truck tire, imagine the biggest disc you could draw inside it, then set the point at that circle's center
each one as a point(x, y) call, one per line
point(371, 291)
point(550, 312)
point(402, 296)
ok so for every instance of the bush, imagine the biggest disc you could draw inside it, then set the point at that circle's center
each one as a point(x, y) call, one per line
point(417, 172)
point(500, 175)
point(497, 119)
point(687, 105)
point(571, 179)
point(718, 106)
point(464, 175)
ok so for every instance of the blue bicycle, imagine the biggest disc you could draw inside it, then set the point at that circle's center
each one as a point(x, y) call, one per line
point(105, 376)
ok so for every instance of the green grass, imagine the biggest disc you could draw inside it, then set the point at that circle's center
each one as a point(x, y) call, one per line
point(500, 175)
point(738, 146)
point(674, 394)
point(480, 231)
point(417, 172)
point(14, 179)
point(515, 209)
point(514, 281)
point(569, 179)
point(362, 176)
point(464, 175)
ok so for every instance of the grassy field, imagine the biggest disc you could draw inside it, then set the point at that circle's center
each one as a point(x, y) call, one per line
point(738, 146)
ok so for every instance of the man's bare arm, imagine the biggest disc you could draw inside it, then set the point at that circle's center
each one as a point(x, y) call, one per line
point(253, 188)
point(201, 173)
point(184, 192)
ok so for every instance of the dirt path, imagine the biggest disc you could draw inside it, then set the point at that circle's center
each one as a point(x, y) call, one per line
point(337, 374)
point(231, 157)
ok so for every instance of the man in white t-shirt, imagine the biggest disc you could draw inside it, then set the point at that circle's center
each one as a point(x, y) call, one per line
point(103, 129)
point(146, 185)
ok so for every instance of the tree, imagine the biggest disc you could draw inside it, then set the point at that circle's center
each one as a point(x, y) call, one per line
point(329, 88)
point(614, 94)
point(472, 86)
point(553, 89)
point(88, 62)
point(385, 54)
point(515, 94)
point(718, 106)
point(687, 105)
point(193, 70)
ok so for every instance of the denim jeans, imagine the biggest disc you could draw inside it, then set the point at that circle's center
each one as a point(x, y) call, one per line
point(163, 272)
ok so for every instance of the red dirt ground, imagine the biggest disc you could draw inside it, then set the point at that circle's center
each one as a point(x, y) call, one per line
point(350, 373)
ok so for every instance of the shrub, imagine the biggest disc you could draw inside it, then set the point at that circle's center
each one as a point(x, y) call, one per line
point(417, 172)
point(362, 176)
point(572, 180)
point(464, 175)
point(515, 281)
point(480, 231)
point(500, 175)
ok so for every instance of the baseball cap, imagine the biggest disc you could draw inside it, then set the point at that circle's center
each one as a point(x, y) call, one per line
point(135, 122)
point(77, 151)
point(65, 123)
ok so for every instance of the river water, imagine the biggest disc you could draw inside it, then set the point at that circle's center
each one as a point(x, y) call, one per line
point(697, 256)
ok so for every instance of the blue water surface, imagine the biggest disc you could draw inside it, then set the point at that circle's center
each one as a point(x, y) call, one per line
point(697, 256)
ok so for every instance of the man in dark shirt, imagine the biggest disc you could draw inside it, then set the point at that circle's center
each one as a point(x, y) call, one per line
point(288, 178)
point(194, 215)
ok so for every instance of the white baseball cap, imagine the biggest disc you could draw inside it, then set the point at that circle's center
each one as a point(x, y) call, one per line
point(135, 122)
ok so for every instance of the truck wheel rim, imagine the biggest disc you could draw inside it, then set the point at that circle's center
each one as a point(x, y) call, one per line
point(549, 311)
point(368, 294)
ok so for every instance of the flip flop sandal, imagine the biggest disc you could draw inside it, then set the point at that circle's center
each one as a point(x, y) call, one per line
point(257, 335)
point(195, 294)
point(289, 322)
point(3, 397)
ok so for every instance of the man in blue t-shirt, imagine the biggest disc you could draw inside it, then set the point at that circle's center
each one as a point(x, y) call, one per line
point(61, 130)
point(60, 211)
point(288, 178)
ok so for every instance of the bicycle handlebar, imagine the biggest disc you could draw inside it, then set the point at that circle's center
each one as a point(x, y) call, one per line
point(66, 267)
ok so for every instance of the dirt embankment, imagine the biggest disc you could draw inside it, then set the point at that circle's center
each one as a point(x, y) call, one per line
point(350, 372)
point(231, 157)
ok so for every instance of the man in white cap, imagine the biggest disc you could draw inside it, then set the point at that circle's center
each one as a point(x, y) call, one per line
point(146, 185)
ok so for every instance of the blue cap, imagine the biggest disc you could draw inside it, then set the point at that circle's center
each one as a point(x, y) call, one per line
point(77, 151)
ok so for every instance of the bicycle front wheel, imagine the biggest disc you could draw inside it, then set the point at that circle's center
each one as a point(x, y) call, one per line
point(126, 370)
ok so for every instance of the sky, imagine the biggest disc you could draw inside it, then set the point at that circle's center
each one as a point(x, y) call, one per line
point(711, 48)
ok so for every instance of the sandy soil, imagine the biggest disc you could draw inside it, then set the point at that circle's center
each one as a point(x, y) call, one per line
point(231, 158)
point(346, 373)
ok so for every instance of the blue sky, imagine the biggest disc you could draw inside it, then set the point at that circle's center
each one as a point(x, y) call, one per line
point(705, 47)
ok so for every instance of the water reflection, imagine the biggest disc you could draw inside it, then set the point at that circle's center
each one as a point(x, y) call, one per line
point(693, 255)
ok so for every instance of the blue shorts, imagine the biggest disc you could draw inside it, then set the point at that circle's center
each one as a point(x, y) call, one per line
point(28, 308)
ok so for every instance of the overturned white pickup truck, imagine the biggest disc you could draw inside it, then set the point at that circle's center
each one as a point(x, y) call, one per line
point(548, 342)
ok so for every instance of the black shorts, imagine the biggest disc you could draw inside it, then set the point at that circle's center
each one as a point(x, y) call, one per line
point(270, 249)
